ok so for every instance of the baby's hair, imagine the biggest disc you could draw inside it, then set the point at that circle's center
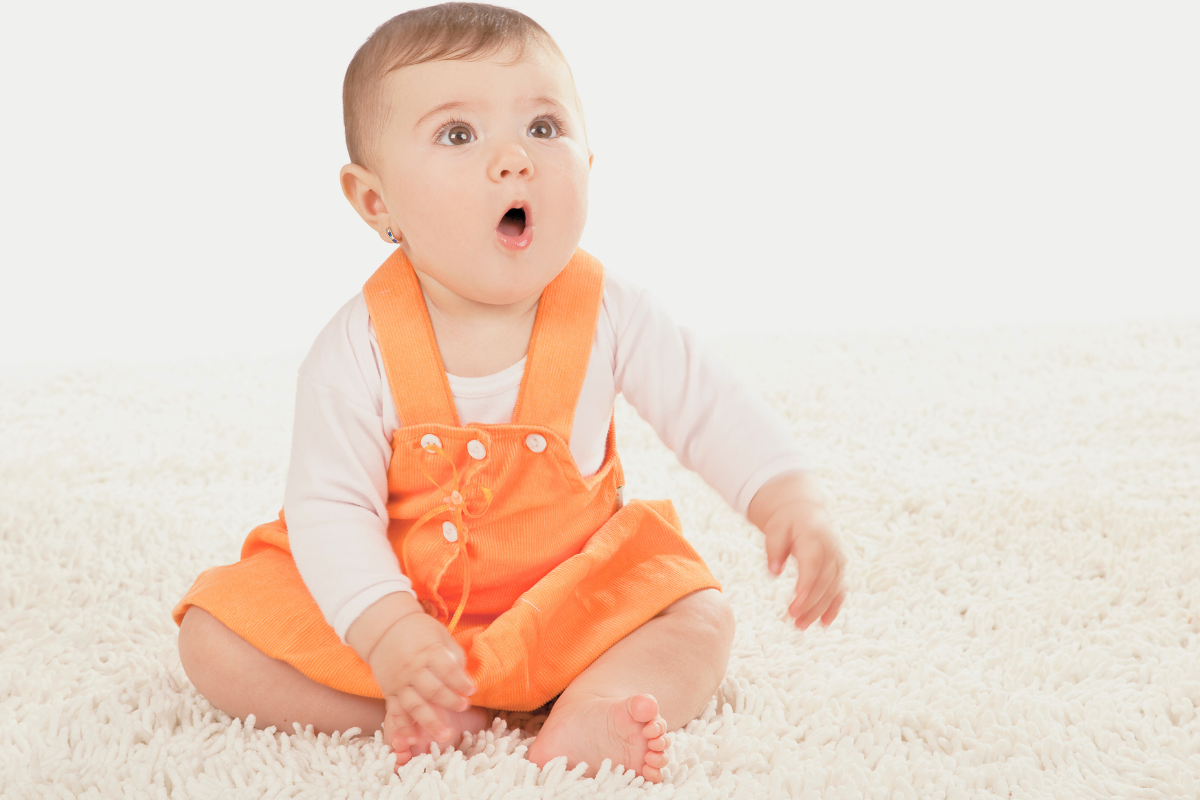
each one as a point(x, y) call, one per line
point(451, 31)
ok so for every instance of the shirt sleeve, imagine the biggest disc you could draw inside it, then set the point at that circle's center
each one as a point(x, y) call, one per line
point(335, 502)
point(714, 425)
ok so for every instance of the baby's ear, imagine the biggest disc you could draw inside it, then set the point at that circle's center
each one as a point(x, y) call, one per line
point(364, 191)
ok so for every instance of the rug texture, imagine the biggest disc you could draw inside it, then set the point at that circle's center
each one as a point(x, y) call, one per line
point(1021, 509)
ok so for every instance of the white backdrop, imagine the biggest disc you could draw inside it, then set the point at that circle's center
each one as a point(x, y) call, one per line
point(170, 170)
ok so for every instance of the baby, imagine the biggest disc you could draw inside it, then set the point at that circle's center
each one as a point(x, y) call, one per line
point(457, 539)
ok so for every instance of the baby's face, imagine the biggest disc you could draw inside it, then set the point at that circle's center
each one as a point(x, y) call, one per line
point(467, 142)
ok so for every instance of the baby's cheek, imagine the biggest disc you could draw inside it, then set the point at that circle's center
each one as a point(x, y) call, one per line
point(436, 203)
point(570, 200)
point(444, 230)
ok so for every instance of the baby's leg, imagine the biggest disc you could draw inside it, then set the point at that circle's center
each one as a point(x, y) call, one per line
point(241, 680)
point(657, 679)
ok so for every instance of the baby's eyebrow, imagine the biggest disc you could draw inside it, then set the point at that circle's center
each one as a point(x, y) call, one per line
point(538, 101)
point(454, 104)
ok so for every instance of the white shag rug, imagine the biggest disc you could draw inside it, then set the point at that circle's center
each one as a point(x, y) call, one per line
point(1021, 509)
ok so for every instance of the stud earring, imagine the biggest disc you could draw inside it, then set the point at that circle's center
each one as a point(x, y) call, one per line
point(393, 238)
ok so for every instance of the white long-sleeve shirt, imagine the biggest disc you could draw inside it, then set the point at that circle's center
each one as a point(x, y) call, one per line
point(336, 494)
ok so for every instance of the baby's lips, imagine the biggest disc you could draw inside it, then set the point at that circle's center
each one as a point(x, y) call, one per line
point(506, 229)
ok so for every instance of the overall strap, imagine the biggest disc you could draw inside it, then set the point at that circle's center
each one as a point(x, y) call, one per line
point(406, 340)
point(561, 346)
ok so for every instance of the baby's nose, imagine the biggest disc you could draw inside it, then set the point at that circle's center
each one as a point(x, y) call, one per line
point(509, 160)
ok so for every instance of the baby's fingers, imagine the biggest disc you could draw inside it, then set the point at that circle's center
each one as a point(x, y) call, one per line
point(398, 727)
point(807, 608)
point(424, 714)
point(448, 664)
point(432, 688)
point(778, 545)
point(811, 558)
point(832, 612)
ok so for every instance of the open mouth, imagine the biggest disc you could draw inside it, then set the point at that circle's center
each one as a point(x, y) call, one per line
point(515, 231)
point(513, 222)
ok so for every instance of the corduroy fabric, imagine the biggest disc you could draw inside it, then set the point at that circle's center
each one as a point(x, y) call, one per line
point(559, 570)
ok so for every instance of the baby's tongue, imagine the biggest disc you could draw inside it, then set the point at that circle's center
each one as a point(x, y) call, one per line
point(510, 227)
point(512, 223)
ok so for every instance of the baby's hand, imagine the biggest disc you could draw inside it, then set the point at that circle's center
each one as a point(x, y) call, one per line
point(789, 511)
point(420, 669)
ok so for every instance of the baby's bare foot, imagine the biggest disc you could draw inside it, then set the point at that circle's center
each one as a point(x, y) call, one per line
point(473, 720)
point(627, 730)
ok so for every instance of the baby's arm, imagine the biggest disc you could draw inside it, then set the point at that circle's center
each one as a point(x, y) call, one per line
point(336, 510)
point(730, 437)
point(714, 424)
point(335, 500)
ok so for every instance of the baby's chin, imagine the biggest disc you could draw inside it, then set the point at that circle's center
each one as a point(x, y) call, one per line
point(516, 289)
point(497, 277)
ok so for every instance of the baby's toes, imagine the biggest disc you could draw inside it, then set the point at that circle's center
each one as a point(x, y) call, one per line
point(661, 743)
point(643, 708)
point(655, 728)
point(652, 774)
point(656, 759)
point(402, 738)
point(398, 729)
point(402, 758)
point(390, 735)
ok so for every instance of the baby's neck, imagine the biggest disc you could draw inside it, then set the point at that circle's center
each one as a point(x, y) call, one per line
point(475, 340)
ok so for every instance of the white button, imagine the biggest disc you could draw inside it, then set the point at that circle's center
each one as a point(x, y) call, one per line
point(476, 449)
point(429, 439)
point(449, 531)
point(535, 442)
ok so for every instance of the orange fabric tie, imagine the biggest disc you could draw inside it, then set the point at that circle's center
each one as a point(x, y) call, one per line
point(454, 501)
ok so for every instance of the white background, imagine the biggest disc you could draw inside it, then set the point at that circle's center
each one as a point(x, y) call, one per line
point(170, 170)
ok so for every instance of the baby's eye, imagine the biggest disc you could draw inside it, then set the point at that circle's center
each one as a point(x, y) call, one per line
point(544, 128)
point(455, 133)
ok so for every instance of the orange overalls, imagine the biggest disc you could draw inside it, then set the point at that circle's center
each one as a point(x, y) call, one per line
point(535, 569)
